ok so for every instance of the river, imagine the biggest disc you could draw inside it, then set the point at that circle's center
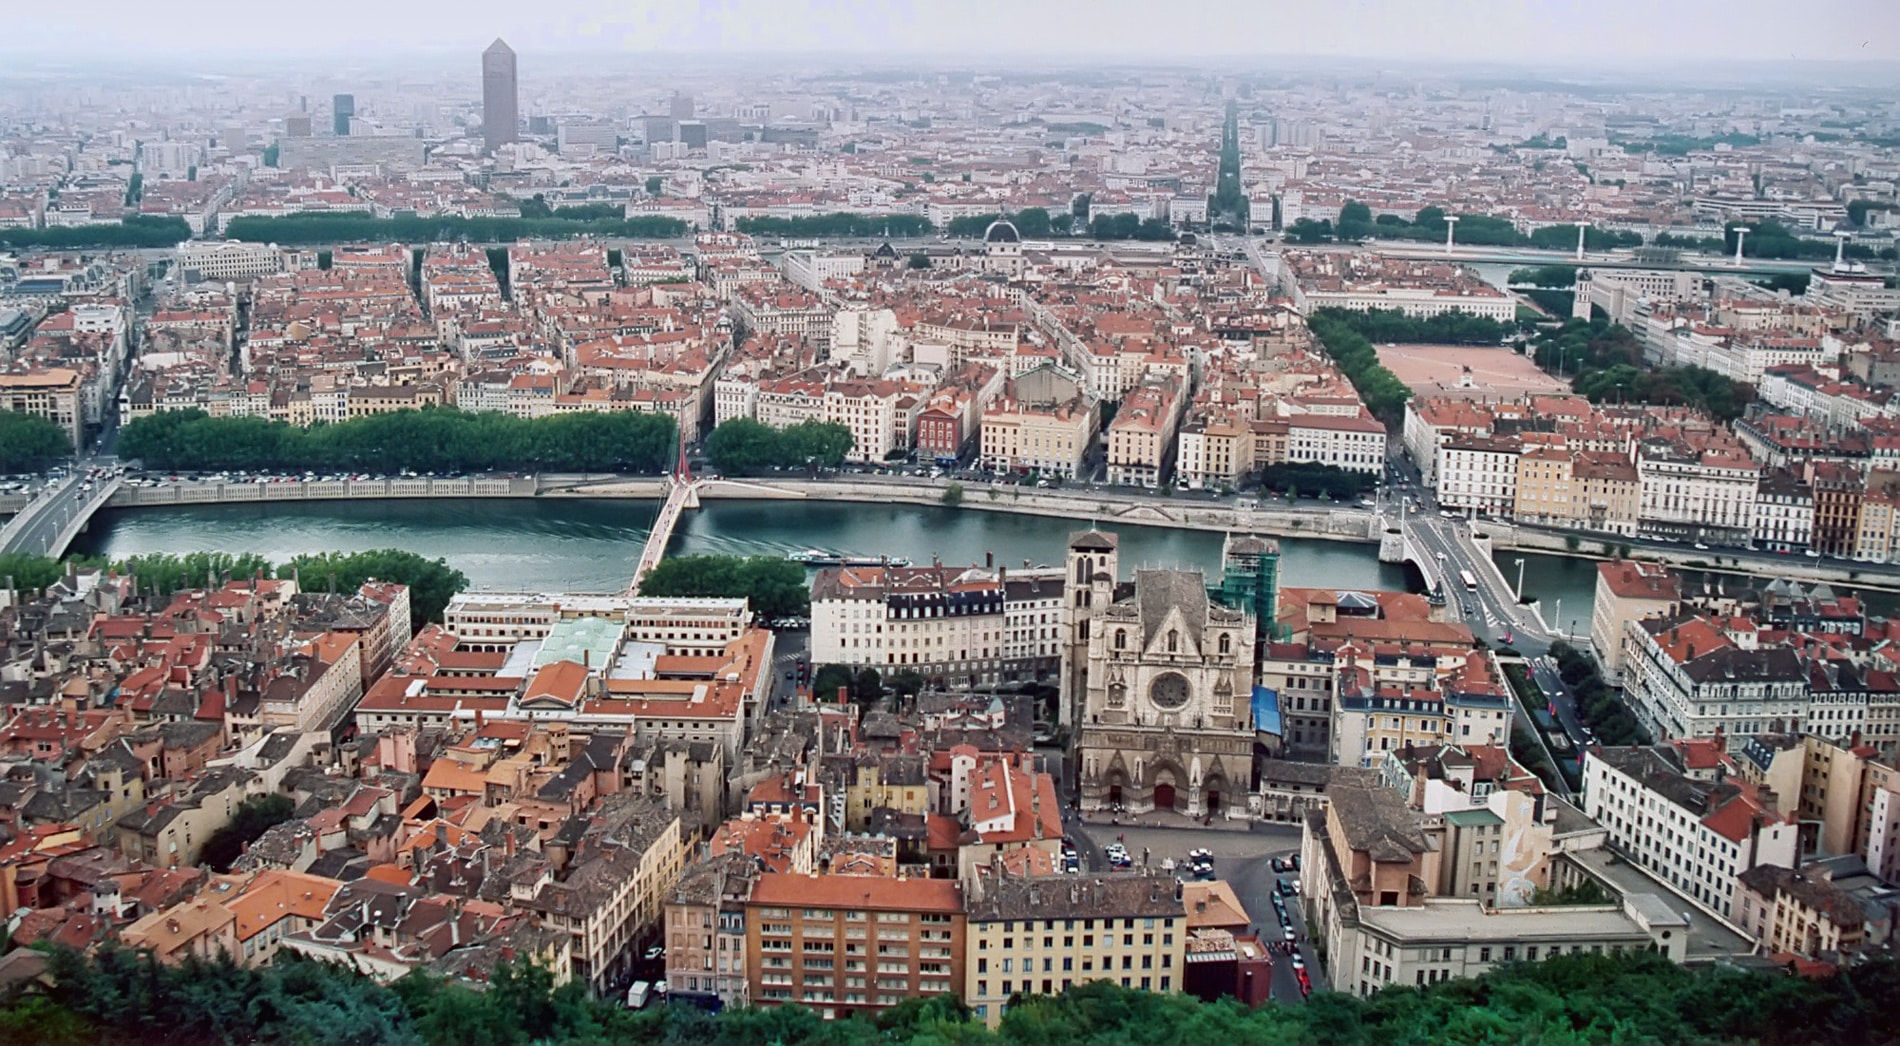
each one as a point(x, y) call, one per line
point(591, 545)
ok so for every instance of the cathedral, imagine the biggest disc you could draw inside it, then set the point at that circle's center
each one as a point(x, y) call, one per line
point(1158, 679)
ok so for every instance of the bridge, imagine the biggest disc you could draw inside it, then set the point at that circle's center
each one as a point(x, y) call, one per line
point(49, 523)
point(683, 495)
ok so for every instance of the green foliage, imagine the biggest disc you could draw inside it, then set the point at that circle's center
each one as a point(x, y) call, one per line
point(138, 230)
point(1230, 200)
point(1765, 240)
point(1127, 226)
point(162, 573)
point(121, 996)
point(433, 440)
point(1682, 144)
point(1597, 703)
point(838, 224)
point(1381, 390)
point(270, 155)
point(1032, 222)
point(1306, 230)
point(1446, 328)
point(30, 573)
point(655, 185)
point(919, 261)
point(1315, 479)
point(254, 816)
point(1585, 892)
point(1564, 237)
point(776, 587)
point(134, 189)
point(28, 441)
point(953, 495)
point(1795, 283)
point(432, 582)
point(1562, 276)
point(825, 684)
point(305, 229)
point(1607, 362)
point(1557, 303)
point(742, 446)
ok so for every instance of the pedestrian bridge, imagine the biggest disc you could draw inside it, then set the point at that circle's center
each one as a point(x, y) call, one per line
point(684, 495)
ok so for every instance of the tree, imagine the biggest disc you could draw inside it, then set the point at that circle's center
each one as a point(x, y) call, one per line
point(254, 817)
point(829, 680)
point(1355, 221)
point(774, 586)
point(432, 582)
point(919, 261)
point(432, 440)
point(655, 185)
point(953, 495)
point(163, 573)
point(867, 686)
point(29, 442)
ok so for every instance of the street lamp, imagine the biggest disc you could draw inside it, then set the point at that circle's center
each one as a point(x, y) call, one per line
point(1520, 579)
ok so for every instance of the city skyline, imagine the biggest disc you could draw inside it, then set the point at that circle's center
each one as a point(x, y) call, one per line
point(1613, 34)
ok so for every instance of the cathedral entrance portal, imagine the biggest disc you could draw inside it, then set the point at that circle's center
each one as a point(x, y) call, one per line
point(1164, 797)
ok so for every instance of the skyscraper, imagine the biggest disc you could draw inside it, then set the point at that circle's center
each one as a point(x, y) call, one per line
point(500, 113)
point(342, 111)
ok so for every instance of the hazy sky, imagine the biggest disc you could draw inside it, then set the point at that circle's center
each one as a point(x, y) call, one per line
point(1515, 31)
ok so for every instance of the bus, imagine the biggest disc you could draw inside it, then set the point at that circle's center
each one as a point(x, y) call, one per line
point(1471, 583)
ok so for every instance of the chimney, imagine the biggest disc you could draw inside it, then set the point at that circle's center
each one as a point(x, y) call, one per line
point(989, 558)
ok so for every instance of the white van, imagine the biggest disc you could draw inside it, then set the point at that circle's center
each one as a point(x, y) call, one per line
point(637, 995)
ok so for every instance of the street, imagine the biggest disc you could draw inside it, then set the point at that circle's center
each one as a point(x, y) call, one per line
point(1242, 858)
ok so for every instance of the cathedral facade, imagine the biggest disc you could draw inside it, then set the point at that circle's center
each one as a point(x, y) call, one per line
point(1158, 681)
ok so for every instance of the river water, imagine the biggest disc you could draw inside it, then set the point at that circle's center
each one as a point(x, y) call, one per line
point(563, 544)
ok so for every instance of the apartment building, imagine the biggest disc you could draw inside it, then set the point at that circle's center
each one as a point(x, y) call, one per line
point(1373, 871)
point(1355, 443)
point(1214, 450)
point(228, 260)
point(1141, 436)
point(1628, 591)
point(705, 930)
point(1831, 910)
point(983, 624)
point(1479, 474)
point(1784, 513)
point(1022, 433)
point(1682, 814)
point(846, 944)
point(1697, 494)
point(53, 393)
point(1689, 679)
point(1041, 935)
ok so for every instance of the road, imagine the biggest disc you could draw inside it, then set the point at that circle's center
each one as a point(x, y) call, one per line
point(1243, 859)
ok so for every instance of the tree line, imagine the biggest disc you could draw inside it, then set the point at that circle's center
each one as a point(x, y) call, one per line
point(1605, 363)
point(308, 229)
point(1357, 222)
point(776, 587)
point(1609, 718)
point(1380, 389)
point(137, 230)
point(744, 447)
point(899, 226)
point(121, 996)
point(1314, 480)
point(1446, 328)
point(1035, 223)
point(432, 582)
point(28, 441)
point(432, 440)
point(1770, 241)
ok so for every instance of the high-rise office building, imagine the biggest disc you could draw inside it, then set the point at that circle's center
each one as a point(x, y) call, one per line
point(501, 115)
point(342, 110)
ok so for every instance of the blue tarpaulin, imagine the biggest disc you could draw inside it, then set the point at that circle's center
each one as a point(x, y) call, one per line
point(1266, 710)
